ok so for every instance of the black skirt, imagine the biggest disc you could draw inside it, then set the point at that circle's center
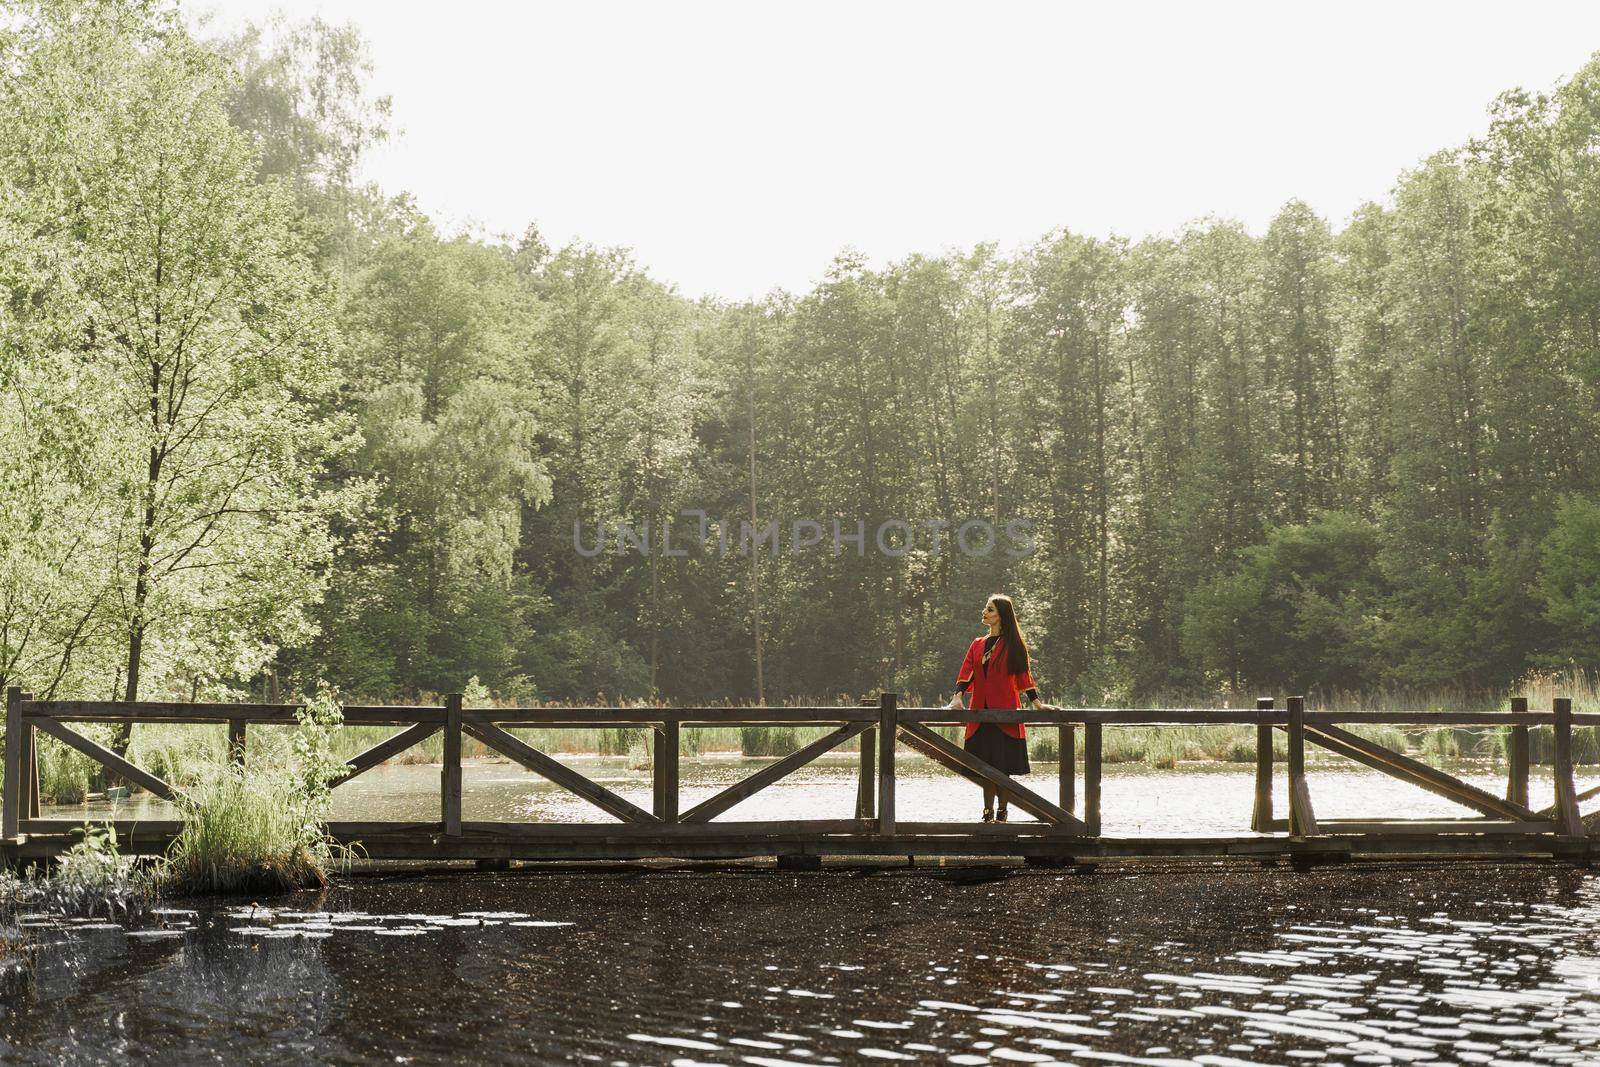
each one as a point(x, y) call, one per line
point(999, 749)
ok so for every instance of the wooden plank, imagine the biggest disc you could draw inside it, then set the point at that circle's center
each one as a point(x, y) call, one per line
point(1440, 848)
point(888, 723)
point(1092, 768)
point(601, 718)
point(236, 734)
point(156, 710)
point(1223, 716)
point(1302, 818)
point(1434, 826)
point(1081, 716)
point(424, 841)
point(655, 831)
point(560, 774)
point(450, 773)
point(1517, 757)
point(70, 827)
point(11, 801)
point(1067, 772)
point(664, 778)
point(1026, 828)
point(1425, 718)
point(105, 757)
point(709, 809)
point(606, 718)
point(388, 748)
point(977, 770)
point(866, 779)
point(1566, 790)
point(1261, 816)
point(1396, 765)
point(265, 714)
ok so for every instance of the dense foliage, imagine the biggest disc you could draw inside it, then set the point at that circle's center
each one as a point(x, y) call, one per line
point(258, 417)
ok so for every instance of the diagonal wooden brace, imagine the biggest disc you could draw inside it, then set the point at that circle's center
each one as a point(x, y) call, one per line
point(104, 756)
point(557, 772)
point(707, 810)
point(1554, 810)
point(393, 745)
point(1390, 762)
point(974, 769)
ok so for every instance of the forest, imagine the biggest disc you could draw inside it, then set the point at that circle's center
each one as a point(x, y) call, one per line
point(263, 422)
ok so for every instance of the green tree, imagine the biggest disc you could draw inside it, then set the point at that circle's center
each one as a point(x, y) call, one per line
point(1301, 611)
point(1569, 583)
point(205, 324)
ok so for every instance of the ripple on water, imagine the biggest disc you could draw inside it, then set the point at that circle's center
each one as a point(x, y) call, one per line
point(1210, 966)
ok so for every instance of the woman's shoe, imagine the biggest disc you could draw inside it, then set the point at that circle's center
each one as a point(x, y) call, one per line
point(1000, 816)
point(988, 815)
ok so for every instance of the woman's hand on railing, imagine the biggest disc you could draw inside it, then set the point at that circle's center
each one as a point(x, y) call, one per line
point(955, 703)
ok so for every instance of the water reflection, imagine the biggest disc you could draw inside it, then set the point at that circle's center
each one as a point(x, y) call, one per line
point(1204, 964)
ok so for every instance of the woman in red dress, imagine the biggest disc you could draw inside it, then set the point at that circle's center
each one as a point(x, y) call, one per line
point(996, 672)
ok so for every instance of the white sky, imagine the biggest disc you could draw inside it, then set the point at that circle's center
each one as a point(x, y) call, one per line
point(737, 147)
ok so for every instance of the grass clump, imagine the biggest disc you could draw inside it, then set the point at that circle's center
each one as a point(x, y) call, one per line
point(265, 831)
point(94, 878)
point(245, 834)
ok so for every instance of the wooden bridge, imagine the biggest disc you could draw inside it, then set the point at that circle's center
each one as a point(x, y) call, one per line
point(1068, 829)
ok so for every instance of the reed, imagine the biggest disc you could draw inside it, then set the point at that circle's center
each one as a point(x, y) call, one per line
point(264, 829)
point(243, 834)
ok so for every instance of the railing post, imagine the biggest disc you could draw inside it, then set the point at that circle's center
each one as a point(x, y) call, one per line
point(236, 728)
point(1091, 777)
point(866, 785)
point(1566, 791)
point(666, 769)
point(11, 802)
point(1261, 818)
point(888, 727)
point(1517, 756)
point(1302, 819)
point(1066, 745)
point(450, 775)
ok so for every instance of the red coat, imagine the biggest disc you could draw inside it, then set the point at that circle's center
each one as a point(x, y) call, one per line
point(994, 687)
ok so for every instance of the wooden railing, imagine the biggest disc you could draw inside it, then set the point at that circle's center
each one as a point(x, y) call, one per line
point(1063, 824)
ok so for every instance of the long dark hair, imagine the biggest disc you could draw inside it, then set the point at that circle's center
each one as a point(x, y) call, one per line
point(1011, 634)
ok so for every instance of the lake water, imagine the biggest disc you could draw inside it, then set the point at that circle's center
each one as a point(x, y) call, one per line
point(972, 963)
point(954, 965)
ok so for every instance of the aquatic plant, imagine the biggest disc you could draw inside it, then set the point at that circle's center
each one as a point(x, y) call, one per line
point(264, 831)
point(240, 834)
point(93, 877)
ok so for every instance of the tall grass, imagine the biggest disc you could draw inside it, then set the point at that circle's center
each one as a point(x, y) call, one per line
point(245, 834)
point(263, 829)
